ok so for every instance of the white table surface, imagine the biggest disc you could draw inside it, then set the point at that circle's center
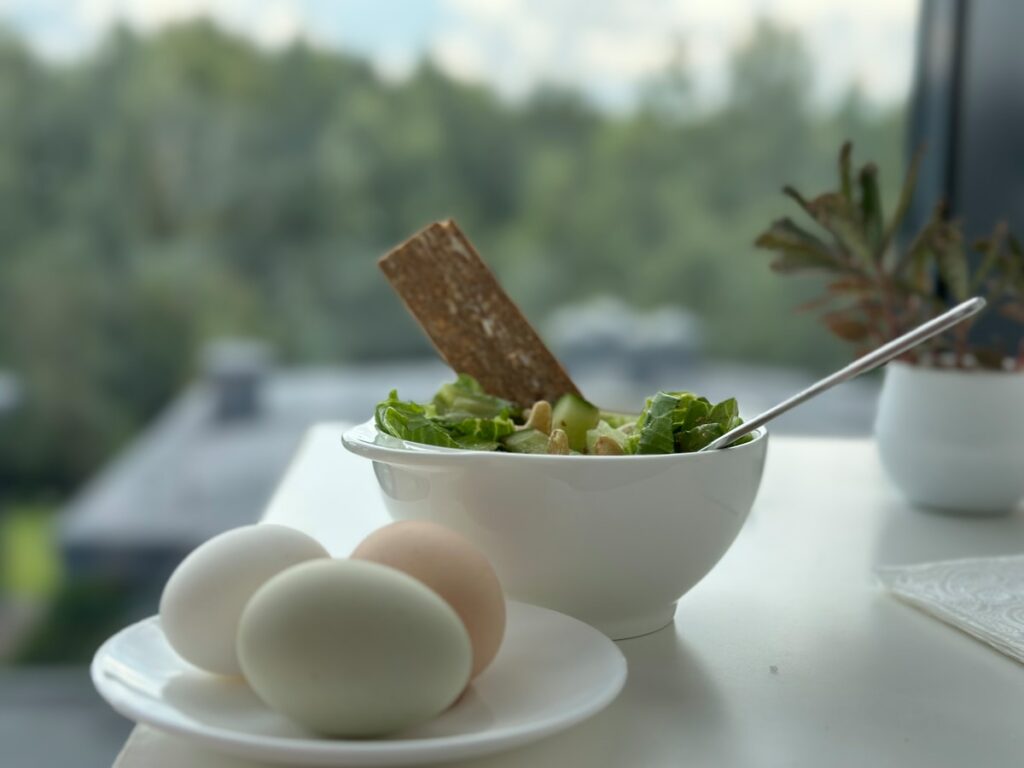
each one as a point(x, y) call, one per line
point(787, 654)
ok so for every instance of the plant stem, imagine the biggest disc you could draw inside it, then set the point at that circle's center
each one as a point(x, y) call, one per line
point(886, 290)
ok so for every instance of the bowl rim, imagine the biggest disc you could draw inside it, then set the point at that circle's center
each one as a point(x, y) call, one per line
point(364, 440)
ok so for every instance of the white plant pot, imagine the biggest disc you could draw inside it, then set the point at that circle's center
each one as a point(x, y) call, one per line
point(953, 440)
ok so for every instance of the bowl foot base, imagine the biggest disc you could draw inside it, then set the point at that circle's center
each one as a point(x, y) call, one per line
point(635, 626)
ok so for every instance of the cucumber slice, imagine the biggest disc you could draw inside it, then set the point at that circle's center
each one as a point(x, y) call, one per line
point(575, 415)
point(526, 441)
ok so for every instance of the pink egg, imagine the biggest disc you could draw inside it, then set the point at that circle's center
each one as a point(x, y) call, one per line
point(455, 569)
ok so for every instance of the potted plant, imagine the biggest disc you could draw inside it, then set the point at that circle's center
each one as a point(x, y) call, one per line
point(950, 423)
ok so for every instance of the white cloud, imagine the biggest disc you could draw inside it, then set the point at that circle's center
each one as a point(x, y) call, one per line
point(278, 24)
point(149, 14)
point(271, 23)
point(605, 53)
point(394, 64)
point(610, 46)
point(606, 47)
point(461, 56)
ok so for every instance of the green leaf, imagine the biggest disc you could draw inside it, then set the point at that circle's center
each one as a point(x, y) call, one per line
point(465, 398)
point(1012, 264)
point(656, 434)
point(914, 264)
point(797, 249)
point(871, 209)
point(409, 421)
point(1016, 248)
point(952, 263)
point(991, 250)
point(696, 412)
point(696, 438)
point(845, 183)
point(903, 204)
point(725, 413)
point(831, 212)
point(682, 422)
point(803, 202)
point(452, 420)
point(478, 430)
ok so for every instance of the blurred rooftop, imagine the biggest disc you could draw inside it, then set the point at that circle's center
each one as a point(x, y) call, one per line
point(203, 468)
point(210, 463)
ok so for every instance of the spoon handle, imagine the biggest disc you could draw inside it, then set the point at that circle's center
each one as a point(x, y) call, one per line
point(868, 362)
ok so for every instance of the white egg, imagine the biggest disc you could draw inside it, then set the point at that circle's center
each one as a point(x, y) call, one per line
point(353, 648)
point(203, 600)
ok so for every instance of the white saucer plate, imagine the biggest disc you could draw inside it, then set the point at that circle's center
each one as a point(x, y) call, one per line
point(552, 672)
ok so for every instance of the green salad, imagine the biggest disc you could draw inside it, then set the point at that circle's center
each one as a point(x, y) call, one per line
point(462, 415)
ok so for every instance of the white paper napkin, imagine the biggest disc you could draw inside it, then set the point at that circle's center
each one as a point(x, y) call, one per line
point(982, 596)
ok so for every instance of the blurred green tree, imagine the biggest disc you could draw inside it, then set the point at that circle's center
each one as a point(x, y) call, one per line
point(187, 184)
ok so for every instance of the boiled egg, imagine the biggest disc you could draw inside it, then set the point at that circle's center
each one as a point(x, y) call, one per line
point(351, 648)
point(452, 566)
point(203, 600)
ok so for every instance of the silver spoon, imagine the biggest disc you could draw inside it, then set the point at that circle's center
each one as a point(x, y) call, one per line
point(868, 362)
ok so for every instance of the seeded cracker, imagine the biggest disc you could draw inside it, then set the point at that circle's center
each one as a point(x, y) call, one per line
point(471, 321)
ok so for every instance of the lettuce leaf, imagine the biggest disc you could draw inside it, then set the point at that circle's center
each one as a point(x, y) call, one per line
point(479, 430)
point(464, 399)
point(656, 425)
point(410, 421)
point(681, 422)
point(456, 419)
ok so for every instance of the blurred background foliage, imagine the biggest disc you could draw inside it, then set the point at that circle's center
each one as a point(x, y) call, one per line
point(187, 184)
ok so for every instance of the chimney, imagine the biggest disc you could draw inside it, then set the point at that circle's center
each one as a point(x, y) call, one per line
point(236, 370)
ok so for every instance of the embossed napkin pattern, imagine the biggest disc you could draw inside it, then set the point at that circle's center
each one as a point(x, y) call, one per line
point(982, 596)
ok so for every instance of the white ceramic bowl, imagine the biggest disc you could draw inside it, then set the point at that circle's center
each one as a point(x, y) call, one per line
point(614, 541)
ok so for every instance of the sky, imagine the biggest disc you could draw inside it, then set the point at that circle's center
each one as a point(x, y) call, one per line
point(608, 48)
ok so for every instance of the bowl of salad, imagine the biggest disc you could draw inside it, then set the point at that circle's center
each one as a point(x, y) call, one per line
point(608, 517)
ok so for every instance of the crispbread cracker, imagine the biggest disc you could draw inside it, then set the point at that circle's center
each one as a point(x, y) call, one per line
point(471, 321)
